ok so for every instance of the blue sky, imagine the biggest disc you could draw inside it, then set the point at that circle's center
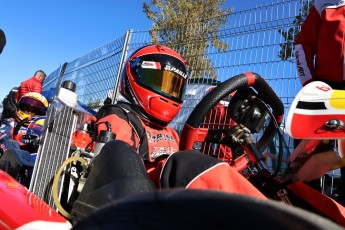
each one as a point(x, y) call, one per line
point(45, 34)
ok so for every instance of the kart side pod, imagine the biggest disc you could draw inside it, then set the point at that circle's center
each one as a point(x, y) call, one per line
point(317, 112)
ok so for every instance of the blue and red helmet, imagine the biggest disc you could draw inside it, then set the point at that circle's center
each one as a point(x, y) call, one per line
point(31, 104)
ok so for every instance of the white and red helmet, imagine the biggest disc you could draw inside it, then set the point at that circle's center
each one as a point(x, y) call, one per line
point(154, 80)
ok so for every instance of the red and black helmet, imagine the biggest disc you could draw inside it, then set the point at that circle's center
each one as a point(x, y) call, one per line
point(154, 80)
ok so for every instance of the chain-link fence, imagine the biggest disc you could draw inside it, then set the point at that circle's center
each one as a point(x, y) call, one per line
point(253, 41)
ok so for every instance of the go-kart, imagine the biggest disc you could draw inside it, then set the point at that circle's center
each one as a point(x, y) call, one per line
point(20, 149)
point(21, 209)
point(254, 102)
point(257, 112)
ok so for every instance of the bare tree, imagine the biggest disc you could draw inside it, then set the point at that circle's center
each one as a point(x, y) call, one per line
point(191, 27)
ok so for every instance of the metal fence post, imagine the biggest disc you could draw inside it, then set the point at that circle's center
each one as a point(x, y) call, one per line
point(62, 72)
point(122, 63)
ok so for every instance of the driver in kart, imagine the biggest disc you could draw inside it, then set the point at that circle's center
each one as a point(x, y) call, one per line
point(29, 106)
point(153, 81)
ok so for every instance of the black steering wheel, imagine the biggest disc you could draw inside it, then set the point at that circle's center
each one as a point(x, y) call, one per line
point(193, 132)
point(18, 126)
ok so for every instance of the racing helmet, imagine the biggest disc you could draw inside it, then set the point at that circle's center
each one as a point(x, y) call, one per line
point(154, 80)
point(31, 104)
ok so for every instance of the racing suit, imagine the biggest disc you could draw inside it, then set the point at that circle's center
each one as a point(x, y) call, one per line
point(322, 38)
point(120, 170)
point(163, 143)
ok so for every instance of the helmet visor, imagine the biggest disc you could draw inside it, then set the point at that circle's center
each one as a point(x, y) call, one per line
point(31, 105)
point(164, 79)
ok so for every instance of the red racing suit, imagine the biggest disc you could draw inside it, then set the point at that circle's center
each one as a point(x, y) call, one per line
point(163, 142)
point(322, 37)
point(32, 84)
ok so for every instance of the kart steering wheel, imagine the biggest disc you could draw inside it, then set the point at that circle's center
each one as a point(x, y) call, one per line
point(16, 129)
point(192, 131)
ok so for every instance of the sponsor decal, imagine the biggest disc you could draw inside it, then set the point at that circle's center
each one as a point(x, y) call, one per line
point(324, 88)
point(299, 65)
point(159, 151)
point(150, 65)
point(160, 137)
point(175, 70)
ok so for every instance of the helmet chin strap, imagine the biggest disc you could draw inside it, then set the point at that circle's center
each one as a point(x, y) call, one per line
point(129, 96)
point(152, 121)
point(144, 116)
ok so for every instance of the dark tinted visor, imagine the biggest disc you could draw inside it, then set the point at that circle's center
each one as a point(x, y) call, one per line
point(29, 104)
point(163, 78)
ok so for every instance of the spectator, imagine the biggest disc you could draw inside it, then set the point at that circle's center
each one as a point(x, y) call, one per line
point(319, 48)
point(33, 84)
point(319, 51)
point(9, 104)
